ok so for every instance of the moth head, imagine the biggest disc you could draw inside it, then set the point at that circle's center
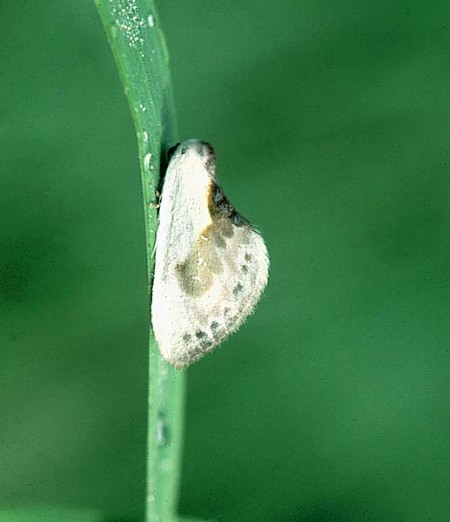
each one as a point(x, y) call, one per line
point(192, 151)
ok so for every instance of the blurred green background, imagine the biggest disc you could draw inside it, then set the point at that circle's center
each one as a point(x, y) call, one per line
point(331, 122)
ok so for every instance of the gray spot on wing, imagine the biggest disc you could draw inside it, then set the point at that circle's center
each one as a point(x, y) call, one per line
point(237, 289)
point(205, 344)
point(198, 343)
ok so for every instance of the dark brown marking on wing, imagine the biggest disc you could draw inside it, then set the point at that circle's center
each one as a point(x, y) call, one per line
point(220, 207)
point(211, 159)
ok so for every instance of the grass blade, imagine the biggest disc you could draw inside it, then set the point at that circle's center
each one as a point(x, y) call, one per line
point(134, 33)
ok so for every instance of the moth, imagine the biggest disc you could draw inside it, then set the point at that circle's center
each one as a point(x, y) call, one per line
point(211, 265)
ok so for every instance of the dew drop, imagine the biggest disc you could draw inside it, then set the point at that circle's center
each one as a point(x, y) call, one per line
point(147, 161)
point(161, 432)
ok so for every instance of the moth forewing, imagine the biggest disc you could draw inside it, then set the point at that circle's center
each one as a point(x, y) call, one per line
point(211, 266)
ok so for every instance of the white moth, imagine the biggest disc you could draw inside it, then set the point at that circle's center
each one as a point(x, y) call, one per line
point(211, 265)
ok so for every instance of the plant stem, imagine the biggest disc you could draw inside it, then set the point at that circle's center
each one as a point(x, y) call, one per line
point(133, 31)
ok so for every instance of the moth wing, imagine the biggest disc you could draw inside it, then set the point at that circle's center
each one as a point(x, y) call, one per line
point(211, 266)
point(206, 295)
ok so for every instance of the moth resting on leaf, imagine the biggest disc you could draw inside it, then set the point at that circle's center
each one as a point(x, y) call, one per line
point(211, 265)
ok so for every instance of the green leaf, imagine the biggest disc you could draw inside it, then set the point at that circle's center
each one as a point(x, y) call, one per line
point(134, 33)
